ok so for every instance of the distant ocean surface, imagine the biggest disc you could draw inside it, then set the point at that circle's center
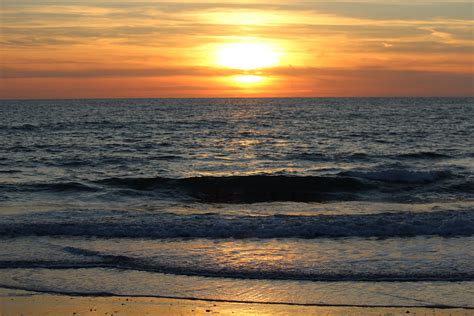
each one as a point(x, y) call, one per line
point(347, 201)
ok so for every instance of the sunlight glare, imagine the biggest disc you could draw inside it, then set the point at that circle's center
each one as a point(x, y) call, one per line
point(249, 79)
point(247, 56)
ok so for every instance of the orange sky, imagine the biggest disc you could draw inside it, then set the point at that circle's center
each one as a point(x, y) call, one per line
point(112, 48)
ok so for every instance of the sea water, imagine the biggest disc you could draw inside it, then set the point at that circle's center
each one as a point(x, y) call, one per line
point(350, 201)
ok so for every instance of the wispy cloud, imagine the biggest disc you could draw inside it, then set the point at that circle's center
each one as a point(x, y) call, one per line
point(414, 43)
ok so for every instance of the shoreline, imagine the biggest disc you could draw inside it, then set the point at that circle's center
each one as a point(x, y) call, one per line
point(21, 302)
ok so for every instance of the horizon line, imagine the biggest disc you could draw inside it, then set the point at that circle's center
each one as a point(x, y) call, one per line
point(248, 97)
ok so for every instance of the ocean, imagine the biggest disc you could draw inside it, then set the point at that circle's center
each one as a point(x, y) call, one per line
point(311, 201)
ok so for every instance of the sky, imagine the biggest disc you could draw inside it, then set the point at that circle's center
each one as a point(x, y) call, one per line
point(143, 49)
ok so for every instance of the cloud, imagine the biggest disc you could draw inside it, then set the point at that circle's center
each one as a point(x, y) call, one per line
point(10, 72)
point(332, 43)
point(304, 82)
point(394, 10)
point(382, 82)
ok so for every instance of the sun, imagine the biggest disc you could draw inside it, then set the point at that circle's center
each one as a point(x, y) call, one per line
point(247, 56)
point(248, 79)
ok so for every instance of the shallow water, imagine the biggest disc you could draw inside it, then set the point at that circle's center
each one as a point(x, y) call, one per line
point(241, 193)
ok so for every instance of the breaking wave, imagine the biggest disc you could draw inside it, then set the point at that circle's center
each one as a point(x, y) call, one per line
point(247, 189)
point(345, 186)
point(214, 226)
point(400, 175)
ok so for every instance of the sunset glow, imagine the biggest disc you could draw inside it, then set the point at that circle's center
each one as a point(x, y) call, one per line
point(248, 79)
point(243, 157)
point(247, 56)
point(191, 48)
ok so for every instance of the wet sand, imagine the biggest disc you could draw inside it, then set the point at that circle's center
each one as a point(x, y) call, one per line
point(13, 302)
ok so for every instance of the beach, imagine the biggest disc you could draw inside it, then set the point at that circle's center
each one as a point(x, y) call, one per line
point(244, 157)
point(34, 304)
point(259, 206)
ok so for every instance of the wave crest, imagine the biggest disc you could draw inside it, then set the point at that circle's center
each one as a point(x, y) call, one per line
point(248, 189)
point(400, 175)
